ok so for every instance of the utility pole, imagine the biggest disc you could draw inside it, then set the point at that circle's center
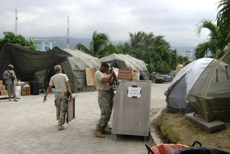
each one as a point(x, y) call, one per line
point(16, 20)
point(68, 32)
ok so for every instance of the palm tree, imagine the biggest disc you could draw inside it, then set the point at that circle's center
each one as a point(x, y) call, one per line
point(143, 41)
point(154, 50)
point(224, 12)
point(99, 43)
point(202, 50)
point(218, 39)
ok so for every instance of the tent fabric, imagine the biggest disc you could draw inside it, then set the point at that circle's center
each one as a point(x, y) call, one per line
point(207, 87)
point(215, 79)
point(34, 66)
point(177, 96)
point(182, 84)
point(192, 72)
point(82, 60)
point(26, 61)
point(126, 62)
point(210, 95)
point(75, 67)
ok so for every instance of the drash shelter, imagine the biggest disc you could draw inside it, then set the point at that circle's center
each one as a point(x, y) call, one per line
point(127, 62)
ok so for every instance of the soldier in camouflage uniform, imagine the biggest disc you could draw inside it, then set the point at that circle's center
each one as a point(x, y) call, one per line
point(104, 99)
point(9, 77)
point(61, 83)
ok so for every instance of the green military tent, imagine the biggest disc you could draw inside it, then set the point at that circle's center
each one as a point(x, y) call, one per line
point(37, 67)
point(127, 62)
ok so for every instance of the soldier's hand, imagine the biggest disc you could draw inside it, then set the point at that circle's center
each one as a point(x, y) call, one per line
point(44, 99)
point(71, 97)
point(113, 73)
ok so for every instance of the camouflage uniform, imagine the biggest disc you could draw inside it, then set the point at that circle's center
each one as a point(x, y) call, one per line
point(10, 82)
point(105, 100)
point(105, 104)
point(58, 81)
point(60, 103)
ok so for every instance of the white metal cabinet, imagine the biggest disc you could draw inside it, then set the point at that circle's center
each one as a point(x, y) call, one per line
point(131, 108)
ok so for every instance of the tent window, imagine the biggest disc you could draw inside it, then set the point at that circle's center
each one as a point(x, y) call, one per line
point(216, 75)
point(226, 67)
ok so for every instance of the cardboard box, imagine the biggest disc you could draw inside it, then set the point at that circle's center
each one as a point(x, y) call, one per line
point(23, 91)
point(2, 87)
point(28, 89)
point(90, 72)
point(1, 82)
point(135, 74)
point(26, 82)
point(3, 92)
point(28, 92)
point(127, 74)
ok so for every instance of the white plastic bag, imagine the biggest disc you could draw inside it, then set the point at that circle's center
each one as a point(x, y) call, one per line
point(18, 91)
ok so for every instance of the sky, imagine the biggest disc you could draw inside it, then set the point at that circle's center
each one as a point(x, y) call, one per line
point(176, 20)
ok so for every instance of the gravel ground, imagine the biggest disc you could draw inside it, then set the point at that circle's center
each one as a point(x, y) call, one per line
point(29, 127)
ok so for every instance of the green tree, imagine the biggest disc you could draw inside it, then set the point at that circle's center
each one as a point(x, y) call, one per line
point(218, 39)
point(98, 45)
point(154, 50)
point(223, 15)
point(111, 49)
point(124, 48)
point(17, 39)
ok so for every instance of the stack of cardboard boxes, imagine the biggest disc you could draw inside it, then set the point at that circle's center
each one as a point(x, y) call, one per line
point(28, 91)
point(25, 89)
point(3, 91)
point(127, 74)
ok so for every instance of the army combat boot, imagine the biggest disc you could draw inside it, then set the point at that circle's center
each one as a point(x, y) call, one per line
point(98, 133)
point(105, 131)
point(60, 127)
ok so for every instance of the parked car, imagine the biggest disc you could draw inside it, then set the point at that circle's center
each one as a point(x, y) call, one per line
point(167, 78)
point(159, 79)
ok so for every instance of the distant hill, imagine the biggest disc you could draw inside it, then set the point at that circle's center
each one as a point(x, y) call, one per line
point(61, 42)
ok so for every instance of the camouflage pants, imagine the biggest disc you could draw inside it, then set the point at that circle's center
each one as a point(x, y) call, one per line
point(105, 101)
point(61, 105)
point(11, 90)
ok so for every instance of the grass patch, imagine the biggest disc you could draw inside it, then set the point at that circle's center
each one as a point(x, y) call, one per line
point(174, 128)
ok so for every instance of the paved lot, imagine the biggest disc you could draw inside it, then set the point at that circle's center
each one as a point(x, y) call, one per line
point(29, 126)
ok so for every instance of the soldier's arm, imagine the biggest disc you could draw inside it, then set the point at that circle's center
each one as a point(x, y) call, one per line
point(108, 79)
point(47, 92)
point(68, 88)
point(6, 76)
point(111, 82)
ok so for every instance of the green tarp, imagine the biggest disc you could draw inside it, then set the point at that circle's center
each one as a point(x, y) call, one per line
point(37, 67)
point(26, 62)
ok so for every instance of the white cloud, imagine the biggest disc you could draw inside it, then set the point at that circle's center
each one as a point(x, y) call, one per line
point(175, 19)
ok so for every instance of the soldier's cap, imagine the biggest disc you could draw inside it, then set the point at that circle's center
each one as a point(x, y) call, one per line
point(10, 65)
point(57, 67)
